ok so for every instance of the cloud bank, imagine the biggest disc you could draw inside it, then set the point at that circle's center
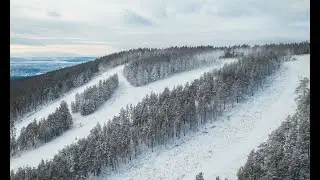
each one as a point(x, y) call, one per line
point(100, 27)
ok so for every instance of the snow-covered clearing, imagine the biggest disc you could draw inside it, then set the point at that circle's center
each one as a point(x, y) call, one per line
point(224, 148)
point(124, 95)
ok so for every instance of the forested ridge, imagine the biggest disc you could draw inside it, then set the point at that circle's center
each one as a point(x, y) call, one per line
point(28, 94)
point(157, 67)
point(45, 130)
point(160, 118)
point(173, 60)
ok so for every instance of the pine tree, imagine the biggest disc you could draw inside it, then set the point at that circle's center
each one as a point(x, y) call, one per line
point(65, 115)
point(154, 74)
point(199, 176)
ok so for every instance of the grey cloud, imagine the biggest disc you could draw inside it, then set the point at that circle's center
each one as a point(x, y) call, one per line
point(53, 14)
point(191, 7)
point(133, 18)
point(227, 23)
point(56, 41)
point(160, 12)
point(231, 10)
point(278, 14)
point(230, 14)
point(187, 6)
point(56, 28)
point(19, 6)
point(42, 27)
point(26, 41)
point(65, 32)
point(42, 54)
point(272, 8)
point(40, 41)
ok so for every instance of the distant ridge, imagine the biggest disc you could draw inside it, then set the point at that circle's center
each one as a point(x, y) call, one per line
point(17, 77)
point(27, 66)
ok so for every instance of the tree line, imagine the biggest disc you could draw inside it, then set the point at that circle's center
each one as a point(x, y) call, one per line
point(25, 97)
point(286, 153)
point(43, 131)
point(94, 96)
point(28, 94)
point(158, 119)
point(165, 63)
point(156, 67)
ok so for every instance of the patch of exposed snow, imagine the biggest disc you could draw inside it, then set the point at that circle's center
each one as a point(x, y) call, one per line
point(225, 147)
point(125, 94)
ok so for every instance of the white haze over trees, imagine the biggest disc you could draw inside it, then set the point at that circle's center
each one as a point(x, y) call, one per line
point(157, 67)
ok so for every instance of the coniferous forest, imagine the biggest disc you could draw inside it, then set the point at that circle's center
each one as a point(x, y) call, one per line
point(286, 153)
point(157, 67)
point(43, 131)
point(161, 118)
point(93, 97)
point(26, 98)
point(168, 62)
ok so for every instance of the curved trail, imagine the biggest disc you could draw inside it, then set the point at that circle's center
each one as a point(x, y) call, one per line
point(124, 95)
point(222, 150)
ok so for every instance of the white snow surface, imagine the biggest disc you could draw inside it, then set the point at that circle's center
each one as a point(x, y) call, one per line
point(225, 147)
point(219, 152)
point(124, 95)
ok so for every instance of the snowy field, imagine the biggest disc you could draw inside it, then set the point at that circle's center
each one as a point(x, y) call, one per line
point(124, 95)
point(224, 148)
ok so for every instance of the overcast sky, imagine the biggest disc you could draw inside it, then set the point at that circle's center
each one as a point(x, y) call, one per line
point(100, 27)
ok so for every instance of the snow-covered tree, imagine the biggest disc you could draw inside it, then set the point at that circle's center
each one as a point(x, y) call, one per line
point(199, 176)
point(94, 96)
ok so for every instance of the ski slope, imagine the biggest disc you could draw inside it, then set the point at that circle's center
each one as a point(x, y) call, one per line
point(124, 95)
point(225, 147)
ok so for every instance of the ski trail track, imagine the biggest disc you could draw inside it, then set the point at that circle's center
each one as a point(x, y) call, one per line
point(125, 94)
point(225, 147)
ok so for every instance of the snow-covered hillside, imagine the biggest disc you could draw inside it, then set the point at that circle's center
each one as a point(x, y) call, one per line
point(220, 151)
point(224, 146)
point(124, 95)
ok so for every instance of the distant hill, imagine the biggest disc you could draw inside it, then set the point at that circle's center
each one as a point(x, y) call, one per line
point(16, 77)
point(31, 66)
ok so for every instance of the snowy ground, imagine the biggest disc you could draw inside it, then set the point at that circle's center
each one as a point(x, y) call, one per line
point(225, 147)
point(124, 95)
